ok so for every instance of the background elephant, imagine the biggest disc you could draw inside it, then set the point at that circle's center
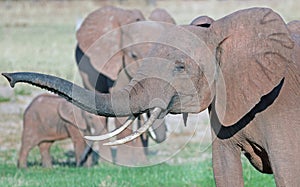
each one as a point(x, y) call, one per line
point(115, 76)
point(49, 118)
point(99, 74)
point(245, 68)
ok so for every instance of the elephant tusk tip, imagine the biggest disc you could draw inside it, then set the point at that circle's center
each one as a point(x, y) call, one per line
point(9, 78)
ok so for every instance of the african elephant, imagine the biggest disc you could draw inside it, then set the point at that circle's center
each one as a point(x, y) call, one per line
point(99, 76)
point(118, 71)
point(49, 118)
point(244, 67)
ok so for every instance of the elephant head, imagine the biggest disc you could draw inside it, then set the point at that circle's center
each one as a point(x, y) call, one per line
point(150, 29)
point(107, 22)
point(84, 121)
point(229, 66)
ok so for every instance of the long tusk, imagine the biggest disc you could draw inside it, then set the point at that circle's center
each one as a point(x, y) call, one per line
point(154, 115)
point(152, 133)
point(128, 122)
point(151, 130)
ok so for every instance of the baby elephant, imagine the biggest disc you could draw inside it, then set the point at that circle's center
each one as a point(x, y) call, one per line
point(49, 118)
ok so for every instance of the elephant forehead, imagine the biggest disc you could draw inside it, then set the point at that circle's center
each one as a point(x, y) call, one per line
point(155, 67)
point(145, 31)
point(191, 41)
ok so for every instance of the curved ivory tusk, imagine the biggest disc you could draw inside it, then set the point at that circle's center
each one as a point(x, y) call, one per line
point(154, 115)
point(151, 130)
point(128, 122)
point(152, 133)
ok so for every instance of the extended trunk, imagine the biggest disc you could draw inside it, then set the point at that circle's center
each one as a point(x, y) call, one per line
point(110, 105)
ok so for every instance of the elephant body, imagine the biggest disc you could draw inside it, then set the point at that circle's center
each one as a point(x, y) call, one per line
point(269, 144)
point(244, 67)
point(49, 118)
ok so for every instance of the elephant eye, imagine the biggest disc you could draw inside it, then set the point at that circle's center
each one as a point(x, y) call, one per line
point(133, 55)
point(138, 19)
point(179, 66)
point(206, 25)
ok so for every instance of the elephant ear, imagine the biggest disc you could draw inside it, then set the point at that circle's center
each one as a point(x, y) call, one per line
point(253, 53)
point(99, 37)
point(72, 115)
point(161, 15)
point(294, 27)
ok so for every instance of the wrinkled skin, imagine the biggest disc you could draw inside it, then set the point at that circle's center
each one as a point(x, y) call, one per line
point(294, 27)
point(247, 73)
point(105, 81)
point(49, 118)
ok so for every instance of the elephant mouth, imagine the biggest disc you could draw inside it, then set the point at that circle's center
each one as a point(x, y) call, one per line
point(155, 113)
point(175, 107)
point(183, 103)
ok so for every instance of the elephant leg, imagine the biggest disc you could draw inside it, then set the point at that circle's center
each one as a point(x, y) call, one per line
point(144, 137)
point(45, 153)
point(285, 169)
point(23, 155)
point(89, 160)
point(79, 145)
point(160, 130)
point(29, 140)
point(105, 152)
point(131, 153)
point(227, 165)
point(283, 157)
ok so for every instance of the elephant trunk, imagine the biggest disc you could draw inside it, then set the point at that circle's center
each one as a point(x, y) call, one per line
point(109, 105)
point(93, 102)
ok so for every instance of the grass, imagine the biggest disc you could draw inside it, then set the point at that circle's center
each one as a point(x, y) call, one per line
point(21, 90)
point(4, 99)
point(199, 174)
point(105, 174)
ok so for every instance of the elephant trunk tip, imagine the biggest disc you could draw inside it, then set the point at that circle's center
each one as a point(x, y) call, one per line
point(11, 81)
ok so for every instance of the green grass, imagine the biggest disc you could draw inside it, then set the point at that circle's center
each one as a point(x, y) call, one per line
point(44, 48)
point(197, 174)
point(105, 174)
point(4, 99)
point(22, 90)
